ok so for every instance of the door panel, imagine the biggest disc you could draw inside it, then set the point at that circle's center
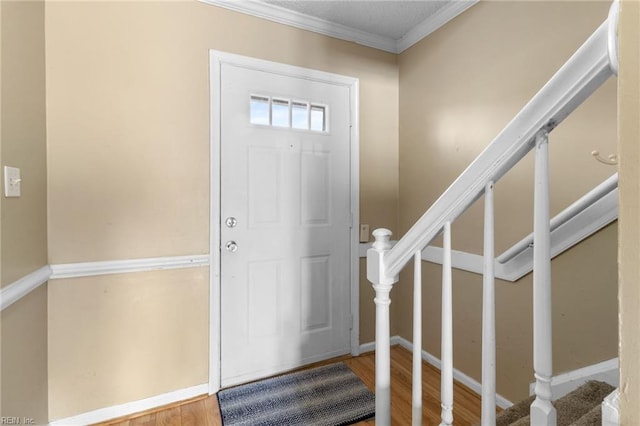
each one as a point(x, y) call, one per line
point(285, 261)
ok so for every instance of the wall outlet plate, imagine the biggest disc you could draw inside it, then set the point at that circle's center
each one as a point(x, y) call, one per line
point(12, 181)
point(364, 233)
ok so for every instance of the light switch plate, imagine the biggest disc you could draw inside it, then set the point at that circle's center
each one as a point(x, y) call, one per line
point(364, 233)
point(12, 181)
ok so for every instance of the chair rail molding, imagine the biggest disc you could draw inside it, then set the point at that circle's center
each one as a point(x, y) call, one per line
point(25, 285)
point(86, 269)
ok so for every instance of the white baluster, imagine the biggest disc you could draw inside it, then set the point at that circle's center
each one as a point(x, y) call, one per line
point(488, 315)
point(416, 395)
point(382, 285)
point(447, 332)
point(542, 410)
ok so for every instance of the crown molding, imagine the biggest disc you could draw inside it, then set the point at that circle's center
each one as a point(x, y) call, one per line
point(332, 29)
point(437, 20)
point(298, 20)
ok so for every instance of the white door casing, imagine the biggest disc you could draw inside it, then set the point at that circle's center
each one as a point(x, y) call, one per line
point(294, 196)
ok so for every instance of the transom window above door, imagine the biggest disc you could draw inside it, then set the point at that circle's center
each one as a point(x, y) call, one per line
point(286, 113)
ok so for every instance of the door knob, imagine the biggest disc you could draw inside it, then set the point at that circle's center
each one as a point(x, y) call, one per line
point(232, 246)
point(231, 222)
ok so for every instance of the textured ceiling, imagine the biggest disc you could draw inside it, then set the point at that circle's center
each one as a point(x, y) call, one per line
point(389, 25)
point(391, 19)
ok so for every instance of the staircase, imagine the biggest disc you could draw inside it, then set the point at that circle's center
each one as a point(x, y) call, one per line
point(582, 407)
point(579, 77)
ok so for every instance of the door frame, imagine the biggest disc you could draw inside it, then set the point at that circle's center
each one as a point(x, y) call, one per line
point(216, 59)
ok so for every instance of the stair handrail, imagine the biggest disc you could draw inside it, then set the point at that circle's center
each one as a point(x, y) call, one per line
point(578, 78)
point(591, 197)
point(587, 69)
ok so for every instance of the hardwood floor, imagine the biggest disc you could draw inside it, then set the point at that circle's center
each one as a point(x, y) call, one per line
point(204, 410)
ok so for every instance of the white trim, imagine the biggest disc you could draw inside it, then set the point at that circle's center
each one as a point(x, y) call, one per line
point(472, 384)
point(460, 260)
point(612, 45)
point(216, 59)
point(562, 384)
point(580, 76)
point(461, 377)
point(25, 285)
point(610, 413)
point(592, 197)
point(85, 269)
point(571, 230)
point(215, 333)
point(371, 346)
point(113, 412)
point(354, 99)
point(295, 19)
point(20, 288)
point(584, 224)
point(432, 23)
point(362, 251)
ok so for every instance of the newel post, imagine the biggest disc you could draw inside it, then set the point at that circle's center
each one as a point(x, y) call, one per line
point(382, 284)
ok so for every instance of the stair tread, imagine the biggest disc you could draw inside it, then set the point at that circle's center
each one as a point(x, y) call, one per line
point(592, 418)
point(571, 408)
point(515, 412)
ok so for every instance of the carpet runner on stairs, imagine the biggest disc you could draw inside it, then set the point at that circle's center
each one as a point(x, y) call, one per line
point(578, 408)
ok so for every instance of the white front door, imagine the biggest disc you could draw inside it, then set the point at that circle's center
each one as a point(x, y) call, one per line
point(285, 208)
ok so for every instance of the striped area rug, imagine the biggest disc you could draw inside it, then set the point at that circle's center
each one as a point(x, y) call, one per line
point(331, 395)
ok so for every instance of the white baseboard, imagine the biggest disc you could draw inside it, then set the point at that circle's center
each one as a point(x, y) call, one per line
point(562, 384)
point(108, 413)
point(371, 346)
point(458, 375)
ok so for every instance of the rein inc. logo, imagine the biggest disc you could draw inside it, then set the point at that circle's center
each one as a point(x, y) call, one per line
point(17, 421)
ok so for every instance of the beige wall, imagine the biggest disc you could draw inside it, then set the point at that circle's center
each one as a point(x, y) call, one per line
point(129, 121)
point(24, 358)
point(128, 129)
point(458, 89)
point(128, 135)
point(24, 220)
point(629, 248)
point(141, 334)
point(23, 385)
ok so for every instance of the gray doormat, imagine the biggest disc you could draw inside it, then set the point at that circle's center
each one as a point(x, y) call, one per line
point(331, 395)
